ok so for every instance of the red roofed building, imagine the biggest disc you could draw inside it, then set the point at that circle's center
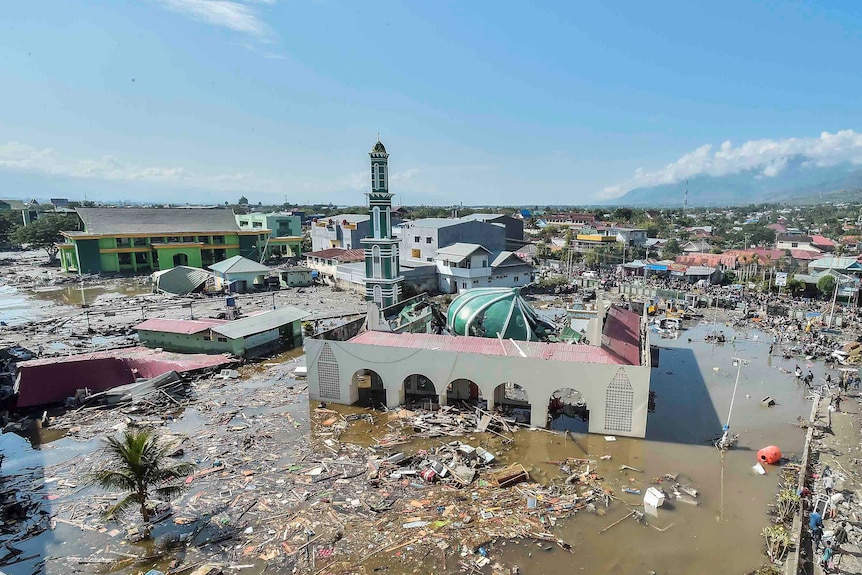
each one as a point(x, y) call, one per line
point(611, 373)
point(822, 243)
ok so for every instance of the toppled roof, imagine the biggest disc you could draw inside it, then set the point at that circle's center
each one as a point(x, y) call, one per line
point(180, 280)
point(155, 221)
point(238, 265)
point(260, 322)
point(490, 346)
point(339, 254)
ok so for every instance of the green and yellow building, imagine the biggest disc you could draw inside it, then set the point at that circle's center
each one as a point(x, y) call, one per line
point(130, 240)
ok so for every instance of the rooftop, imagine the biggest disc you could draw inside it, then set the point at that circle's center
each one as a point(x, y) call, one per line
point(260, 322)
point(156, 221)
point(238, 265)
point(339, 254)
point(490, 346)
point(434, 222)
point(180, 326)
point(459, 251)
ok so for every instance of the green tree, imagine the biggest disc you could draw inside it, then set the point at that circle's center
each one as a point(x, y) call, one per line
point(45, 233)
point(138, 462)
point(671, 249)
point(9, 222)
point(826, 285)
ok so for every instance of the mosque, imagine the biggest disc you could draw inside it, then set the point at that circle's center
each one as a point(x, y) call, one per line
point(495, 349)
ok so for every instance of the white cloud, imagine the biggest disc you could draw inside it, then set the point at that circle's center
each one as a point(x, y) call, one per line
point(230, 14)
point(18, 157)
point(769, 157)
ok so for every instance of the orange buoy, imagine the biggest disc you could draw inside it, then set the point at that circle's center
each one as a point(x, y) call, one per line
point(770, 454)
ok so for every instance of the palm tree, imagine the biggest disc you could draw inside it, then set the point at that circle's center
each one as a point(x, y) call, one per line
point(138, 461)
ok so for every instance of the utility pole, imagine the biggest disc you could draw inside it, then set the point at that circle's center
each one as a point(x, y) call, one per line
point(834, 298)
point(726, 442)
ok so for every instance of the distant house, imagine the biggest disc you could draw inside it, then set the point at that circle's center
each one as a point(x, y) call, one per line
point(250, 336)
point(822, 243)
point(240, 274)
point(577, 220)
point(463, 266)
point(401, 211)
point(285, 231)
point(341, 231)
point(514, 227)
point(325, 262)
point(701, 246)
point(794, 242)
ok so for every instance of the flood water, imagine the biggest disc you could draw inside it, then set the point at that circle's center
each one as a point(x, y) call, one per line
point(693, 386)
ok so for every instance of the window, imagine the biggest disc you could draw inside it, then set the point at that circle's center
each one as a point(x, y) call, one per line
point(125, 259)
point(415, 239)
point(795, 244)
point(377, 294)
point(516, 278)
point(463, 285)
point(218, 240)
point(138, 242)
point(243, 224)
point(427, 240)
point(429, 259)
point(188, 239)
point(222, 339)
point(141, 258)
point(173, 239)
point(415, 254)
point(375, 215)
point(475, 282)
point(123, 242)
point(375, 262)
point(257, 224)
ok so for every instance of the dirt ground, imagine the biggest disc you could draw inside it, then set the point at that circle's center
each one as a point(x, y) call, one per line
point(59, 312)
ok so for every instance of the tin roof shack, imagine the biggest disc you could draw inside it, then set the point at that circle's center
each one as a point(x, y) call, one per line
point(52, 380)
point(241, 274)
point(249, 336)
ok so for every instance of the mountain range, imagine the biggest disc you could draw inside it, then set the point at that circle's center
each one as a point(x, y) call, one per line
point(798, 182)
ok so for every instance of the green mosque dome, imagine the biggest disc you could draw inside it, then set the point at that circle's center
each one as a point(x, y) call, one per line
point(487, 312)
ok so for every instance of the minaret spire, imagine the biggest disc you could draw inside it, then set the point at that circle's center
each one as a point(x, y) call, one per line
point(382, 279)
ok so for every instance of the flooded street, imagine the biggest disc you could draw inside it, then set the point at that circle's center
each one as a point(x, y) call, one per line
point(692, 399)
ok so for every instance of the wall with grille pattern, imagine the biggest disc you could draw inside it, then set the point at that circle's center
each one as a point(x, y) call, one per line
point(619, 401)
point(328, 375)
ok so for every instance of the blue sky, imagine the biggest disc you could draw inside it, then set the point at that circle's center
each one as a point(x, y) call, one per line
point(478, 102)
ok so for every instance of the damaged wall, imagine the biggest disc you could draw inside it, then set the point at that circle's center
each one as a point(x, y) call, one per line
point(616, 395)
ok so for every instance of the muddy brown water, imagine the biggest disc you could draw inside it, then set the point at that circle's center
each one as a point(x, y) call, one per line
point(693, 386)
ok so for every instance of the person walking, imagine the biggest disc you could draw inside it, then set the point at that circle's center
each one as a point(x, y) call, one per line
point(828, 484)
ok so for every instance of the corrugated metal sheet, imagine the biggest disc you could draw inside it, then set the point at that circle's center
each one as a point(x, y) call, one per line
point(260, 322)
point(52, 380)
point(182, 326)
point(181, 280)
point(239, 265)
point(490, 346)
